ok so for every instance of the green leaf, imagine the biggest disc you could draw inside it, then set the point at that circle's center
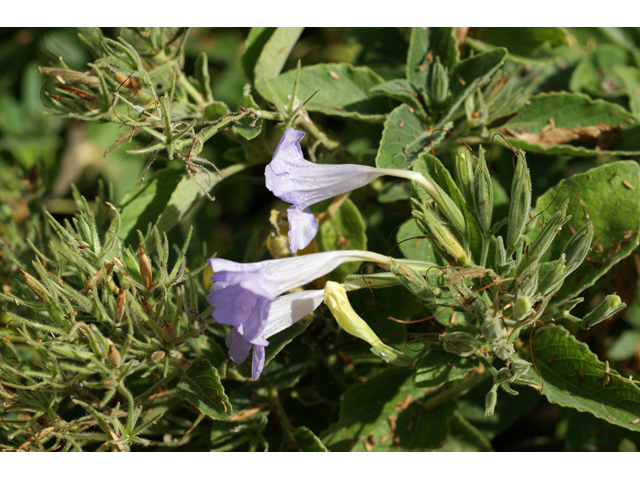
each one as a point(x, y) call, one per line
point(574, 377)
point(625, 346)
point(244, 125)
point(464, 437)
point(595, 75)
point(343, 230)
point(403, 139)
point(403, 91)
point(285, 369)
point(630, 77)
point(444, 44)
point(524, 41)
point(253, 45)
point(417, 67)
point(275, 52)
point(344, 90)
point(307, 441)
point(585, 433)
point(437, 367)
point(382, 415)
point(200, 386)
point(416, 248)
point(614, 210)
point(572, 111)
point(467, 76)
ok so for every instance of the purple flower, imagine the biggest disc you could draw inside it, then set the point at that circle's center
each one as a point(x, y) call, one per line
point(284, 312)
point(243, 292)
point(302, 183)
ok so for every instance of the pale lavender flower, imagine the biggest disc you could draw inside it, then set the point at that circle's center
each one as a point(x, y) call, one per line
point(242, 293)
point(284, 312)
point(302, 183)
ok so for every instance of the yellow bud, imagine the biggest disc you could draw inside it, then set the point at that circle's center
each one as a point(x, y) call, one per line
point(335, 297)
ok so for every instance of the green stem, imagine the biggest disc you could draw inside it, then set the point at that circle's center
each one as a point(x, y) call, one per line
point(191, 90)
point(450, 393)
point(463, 425)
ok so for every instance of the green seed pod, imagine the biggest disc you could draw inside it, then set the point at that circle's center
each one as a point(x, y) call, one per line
point(504, 375)
point(490, 401)
point(520, 367)
point(577, 248)
point(520, 204)
point(501, 262)
point(438, 84)
point(464, 165)
point(492, 329)
point(528, 283)
point(554, 277)
point(483, 194)
point(446, 205)
point(503, 349)
point(544, 239)
point(413, 281)
point(522, 308)
point(446, 242)
point(611, 305)
point(459, 343)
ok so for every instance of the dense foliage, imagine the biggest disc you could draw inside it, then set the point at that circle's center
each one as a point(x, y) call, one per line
point(475, 191)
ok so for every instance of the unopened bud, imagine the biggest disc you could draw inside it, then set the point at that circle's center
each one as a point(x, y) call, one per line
point(438, 84)
point(113, 356)
point(459, 343)
point(503, 349)
point(501, 262)
point(490, 401)
point(145, 267)
point(544, 239)
point(520, 367)
point(520, 203)
point(483, 194)
point(465, 171)
point(157, 356)
point(120, 301)
point(528, 281)
point(492, 329)
point(578, 247)
point(412, 280)
point(168, 334)
point(146, 307)
point(445, 240)
point(391, 355)
point(611, 305)
point(554, 277)
point(504, 375)
point(522, 308)
point(109, 383)
point(35, 286)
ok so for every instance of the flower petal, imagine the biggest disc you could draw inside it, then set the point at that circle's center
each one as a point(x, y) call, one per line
point(257, 362)
point(303, 227)
point(238, 347)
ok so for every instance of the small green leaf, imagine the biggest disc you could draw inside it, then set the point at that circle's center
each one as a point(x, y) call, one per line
point(630, 77)
point(444, 44)
point(524, 41)
point(200, 386)
point(344, 90)
point(614, 209)
point(437, 367)
point(574, 377)
point(401, 90)
point(253, 45)
point(275, 52)
point(416, 248)
point(244, 125)
point(307, 441)
point(417, 66)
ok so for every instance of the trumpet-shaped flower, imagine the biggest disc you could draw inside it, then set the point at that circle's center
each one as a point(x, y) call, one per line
point(302, 183)
point(284, 312)
point(242, 293)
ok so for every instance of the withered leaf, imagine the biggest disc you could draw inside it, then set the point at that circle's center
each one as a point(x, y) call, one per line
point(604, 136)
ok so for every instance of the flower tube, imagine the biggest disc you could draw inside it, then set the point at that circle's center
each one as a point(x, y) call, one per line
point(302, 183)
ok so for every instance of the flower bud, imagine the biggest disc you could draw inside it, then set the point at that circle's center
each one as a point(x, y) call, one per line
point(113, 355)
point(445, 240)
point(464, 169)
point(501, 262)
point(544, 239)
point(483, 195)
point(459, 343)
point(438, 84)
point(492, 329)
point(578, 247)
point(391, 355)
point(490, 401)
point(520, 367)
point(520, 203)
point(35, 286)
point(611, 305)
point(554, 277)
point(168, 333)
point(147, 308)
point(504, 375)
point(120, 302)
point(522, 308)
point(503, 349)
point(145, 267)
point(109, 383)
point(528, 283)
point(157, 356)
point(412, 280)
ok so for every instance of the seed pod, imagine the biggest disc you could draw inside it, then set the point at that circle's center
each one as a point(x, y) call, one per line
point(147, 308)
point(445, 240)
point(554, 277)
point(483, 194)
point(520, 367)
point(97, 277)
point(522, 308)
point(459, 343)
point(168, 334)
point(438, 84)
point(35, 286)
point(109, 383)
point(492, 329)
point(520, 204)
point(120, 302)
point(413, 281)
point(446, 205)
point(113, 355)
point(145, 267)
point(490, 401)
point(611, 305)
point(528, 283)
point(502, 349)
point(578, 247)
point(464, 170)
point(544, 239)
point(157, 356)
point(504, 375)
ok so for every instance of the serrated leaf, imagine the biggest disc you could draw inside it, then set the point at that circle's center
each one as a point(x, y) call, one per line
point(614, 209)
point(401, 90)
point(382, 415)
point(555, 111)
point(307, 441)
point(437, 367)
point(200, 386)
point(275, 52)
point(574, 377)
point(468, 75)
point(344, 90)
